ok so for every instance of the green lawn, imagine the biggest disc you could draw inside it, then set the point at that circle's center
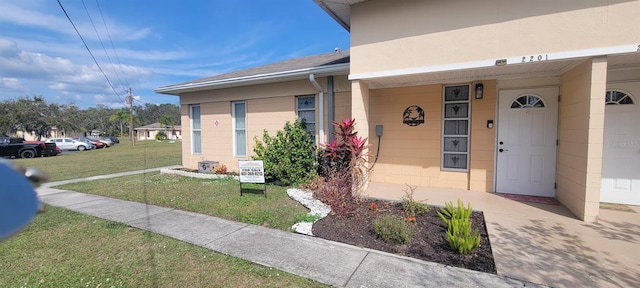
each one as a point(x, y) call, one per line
point(215, 197)
point(118, 158)
point(61, 248)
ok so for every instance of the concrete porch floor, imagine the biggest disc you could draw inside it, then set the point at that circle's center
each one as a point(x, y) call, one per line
point(547, 244)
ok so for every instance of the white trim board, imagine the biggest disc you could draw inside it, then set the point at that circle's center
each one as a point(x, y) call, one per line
point(566, 55)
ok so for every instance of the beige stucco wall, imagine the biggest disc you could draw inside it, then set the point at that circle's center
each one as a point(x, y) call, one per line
point(581, 128)
point(482, 145)
point(414, 33)
point(268, 107)
point(412, 155)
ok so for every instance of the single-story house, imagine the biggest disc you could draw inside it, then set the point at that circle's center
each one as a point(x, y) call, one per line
point(149, 132)
point(522, 97)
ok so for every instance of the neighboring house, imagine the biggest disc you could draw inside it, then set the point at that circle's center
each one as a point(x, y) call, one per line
point(524, 97)
point(28, 136)
point(31, 136)
point(149, 132)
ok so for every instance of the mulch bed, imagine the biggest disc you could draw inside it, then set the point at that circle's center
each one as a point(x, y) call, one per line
point(429, 241)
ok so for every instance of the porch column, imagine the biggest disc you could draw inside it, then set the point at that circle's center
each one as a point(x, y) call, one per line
point(360, 107)
point(360, 112)
point(581, 131)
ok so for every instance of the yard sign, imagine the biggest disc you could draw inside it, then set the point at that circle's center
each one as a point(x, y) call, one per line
point(252, 171)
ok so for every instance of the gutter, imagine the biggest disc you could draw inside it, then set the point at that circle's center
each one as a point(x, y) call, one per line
point(313, 81)
point(253, 79)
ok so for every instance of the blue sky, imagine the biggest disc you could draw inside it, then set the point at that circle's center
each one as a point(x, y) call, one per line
point(156, 43)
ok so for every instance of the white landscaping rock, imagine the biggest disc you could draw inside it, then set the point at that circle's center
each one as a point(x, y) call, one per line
point(317, 208)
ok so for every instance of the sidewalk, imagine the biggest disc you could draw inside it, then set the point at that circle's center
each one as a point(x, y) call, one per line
point(325, 261)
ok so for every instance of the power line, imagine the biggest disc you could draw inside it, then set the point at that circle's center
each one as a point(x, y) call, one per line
point(101, 43)
point(113, 47)
point(89, 50)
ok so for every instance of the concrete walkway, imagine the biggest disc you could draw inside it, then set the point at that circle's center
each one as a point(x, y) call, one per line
point(328, 262)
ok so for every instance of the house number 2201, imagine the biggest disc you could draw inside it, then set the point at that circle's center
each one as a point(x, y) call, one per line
point(534, 58)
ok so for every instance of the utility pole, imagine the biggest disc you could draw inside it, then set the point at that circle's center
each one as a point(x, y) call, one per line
point(129, 101)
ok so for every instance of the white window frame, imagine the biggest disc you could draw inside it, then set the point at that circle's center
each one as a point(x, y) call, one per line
point(298, 110)
point(193, 129)
point(236, 153)
point(444, 136)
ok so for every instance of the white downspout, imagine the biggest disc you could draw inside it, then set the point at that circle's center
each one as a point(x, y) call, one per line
point(312, 78)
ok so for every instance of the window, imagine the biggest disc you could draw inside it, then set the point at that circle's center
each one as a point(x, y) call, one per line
point(617, 98)
point(455, 128)
point(528, 101)
point(196, 133)
point(306, 108)
point(239, 112)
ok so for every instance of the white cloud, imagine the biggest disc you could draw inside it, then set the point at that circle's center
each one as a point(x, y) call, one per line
point(12, 83)
point(63, 76)
point(36, 15)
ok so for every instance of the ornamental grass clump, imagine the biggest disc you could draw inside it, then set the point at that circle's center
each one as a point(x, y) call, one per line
point(392, 228)
point(461, 236)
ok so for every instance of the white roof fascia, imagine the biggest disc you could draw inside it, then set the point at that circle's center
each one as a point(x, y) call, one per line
point(253, 79)
point(519, 60)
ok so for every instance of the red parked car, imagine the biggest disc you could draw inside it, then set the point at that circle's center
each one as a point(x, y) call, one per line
point(96, 143)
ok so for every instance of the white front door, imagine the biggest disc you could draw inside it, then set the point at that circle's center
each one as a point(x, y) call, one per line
point(527, 137)
point(621, 149)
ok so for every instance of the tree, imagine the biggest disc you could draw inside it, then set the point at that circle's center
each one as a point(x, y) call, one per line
point(68, 118)
point(32, 115)
point(165, 120)
point(121, 116)
point(8, 122)
point(151, 113)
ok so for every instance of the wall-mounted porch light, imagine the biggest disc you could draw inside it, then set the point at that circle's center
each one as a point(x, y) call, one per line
point(479, 90)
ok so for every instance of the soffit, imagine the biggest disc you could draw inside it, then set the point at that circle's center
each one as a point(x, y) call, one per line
point(623, 60)
point(339, 10)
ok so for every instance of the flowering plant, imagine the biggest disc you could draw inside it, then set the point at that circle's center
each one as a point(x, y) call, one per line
point(373, 206)
point(343, 164)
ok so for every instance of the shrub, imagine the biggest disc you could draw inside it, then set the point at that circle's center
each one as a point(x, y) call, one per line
point(220, 169)
point(289, 156)
point(460, 235)
point(161, 136)
point(343, 166)
point(335, 191)
point(392, 228)
point(412, 207)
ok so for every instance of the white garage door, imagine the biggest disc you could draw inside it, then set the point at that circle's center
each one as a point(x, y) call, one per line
point(621, 149)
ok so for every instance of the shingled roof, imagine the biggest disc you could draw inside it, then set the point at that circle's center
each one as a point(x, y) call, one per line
point(335, 63)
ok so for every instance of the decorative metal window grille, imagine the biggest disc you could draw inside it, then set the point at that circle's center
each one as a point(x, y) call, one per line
point(528, 101)
point(306, 108)
point(455, 128)
point(618, 98)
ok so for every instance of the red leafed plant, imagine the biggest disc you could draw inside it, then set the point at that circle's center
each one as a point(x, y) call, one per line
point(343, 166)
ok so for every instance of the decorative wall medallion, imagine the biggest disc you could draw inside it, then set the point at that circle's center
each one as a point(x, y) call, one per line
point(413, 116)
